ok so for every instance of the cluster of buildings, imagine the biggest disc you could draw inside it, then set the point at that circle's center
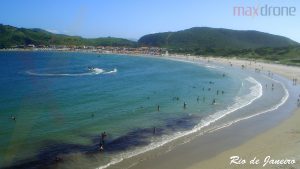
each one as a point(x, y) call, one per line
point(98, 49)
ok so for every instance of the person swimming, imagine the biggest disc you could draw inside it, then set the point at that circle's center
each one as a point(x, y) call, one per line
point(13, 118)
point(214, 101)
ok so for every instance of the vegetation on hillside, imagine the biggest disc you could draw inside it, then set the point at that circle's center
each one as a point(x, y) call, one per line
point(207, 38)
point(12, 36)
point(195, 41)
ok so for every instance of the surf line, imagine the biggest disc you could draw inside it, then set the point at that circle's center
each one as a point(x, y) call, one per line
point(256, 92)
point(275, 107)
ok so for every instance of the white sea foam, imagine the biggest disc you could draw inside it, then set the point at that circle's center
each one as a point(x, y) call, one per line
point(113, 71)
point(255, 93)
point(58, 74)
point(211, 66)
point(282, 101)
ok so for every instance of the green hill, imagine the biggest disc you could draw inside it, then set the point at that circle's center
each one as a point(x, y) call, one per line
point(12, 36)
point(205, 38)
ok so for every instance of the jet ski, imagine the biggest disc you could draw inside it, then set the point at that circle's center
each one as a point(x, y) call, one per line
point(91, 68)
point(95, 70)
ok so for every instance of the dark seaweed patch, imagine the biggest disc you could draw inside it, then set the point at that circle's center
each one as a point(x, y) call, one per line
point(52, 152)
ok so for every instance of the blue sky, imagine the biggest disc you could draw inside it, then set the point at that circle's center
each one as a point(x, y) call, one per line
point(134, 18)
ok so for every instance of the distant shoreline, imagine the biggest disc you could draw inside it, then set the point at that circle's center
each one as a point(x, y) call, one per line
point(181, 56)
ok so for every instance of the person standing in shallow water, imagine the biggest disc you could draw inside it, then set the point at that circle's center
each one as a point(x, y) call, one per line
point(102, 140)
point(103, 136)
point(184, 105)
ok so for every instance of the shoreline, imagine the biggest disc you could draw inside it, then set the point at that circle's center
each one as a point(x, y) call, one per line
point(209, 160)
point(279, 142)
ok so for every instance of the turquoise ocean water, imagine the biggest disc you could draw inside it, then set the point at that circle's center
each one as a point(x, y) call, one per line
point(61, 107)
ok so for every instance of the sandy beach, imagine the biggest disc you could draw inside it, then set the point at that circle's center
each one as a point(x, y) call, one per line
point(280, 142)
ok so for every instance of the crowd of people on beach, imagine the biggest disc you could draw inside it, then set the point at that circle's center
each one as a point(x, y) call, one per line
point(295, 81)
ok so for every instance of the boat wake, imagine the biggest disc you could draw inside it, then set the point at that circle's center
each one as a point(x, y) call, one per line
point(93, 71)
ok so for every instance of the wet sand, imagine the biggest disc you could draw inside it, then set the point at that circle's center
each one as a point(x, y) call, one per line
point(281, 142)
